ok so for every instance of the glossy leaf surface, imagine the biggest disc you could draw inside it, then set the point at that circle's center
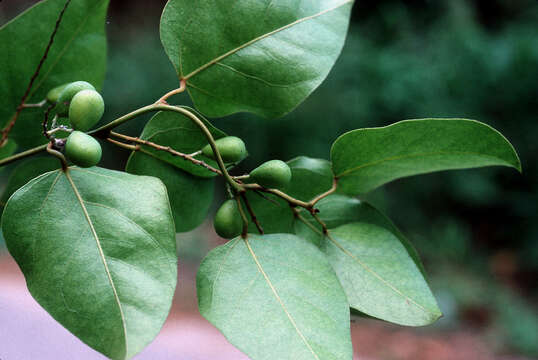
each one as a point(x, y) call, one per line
point(365, 159)
point(78, 53)
point(264, 57)
point(181, 134)
point(97, 249)
point(190, 196)
point(275, 297)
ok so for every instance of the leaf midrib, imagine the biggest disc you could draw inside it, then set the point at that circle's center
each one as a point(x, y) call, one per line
point(375, 274)
point(248, 43)
point(417, 155)
point(101, 254)
point(279, 299)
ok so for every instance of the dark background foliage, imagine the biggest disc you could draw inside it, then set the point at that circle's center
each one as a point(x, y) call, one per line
point(476, 229)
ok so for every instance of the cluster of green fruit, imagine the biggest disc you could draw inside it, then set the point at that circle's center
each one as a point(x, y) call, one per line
point(84, 107)
point(273, 174)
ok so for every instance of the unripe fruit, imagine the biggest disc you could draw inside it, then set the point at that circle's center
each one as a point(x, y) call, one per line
point(86, 109)
point(67, 94)
point(82, 149)
point(228, 223)
point(231, 148)
point(273, 174)
point(54, 94)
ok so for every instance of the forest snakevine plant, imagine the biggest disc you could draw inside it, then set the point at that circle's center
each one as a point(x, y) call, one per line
point(98, 247)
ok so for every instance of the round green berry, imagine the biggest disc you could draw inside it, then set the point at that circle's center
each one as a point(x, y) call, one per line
point(228, 223)
point(231, 148)
point(86, 109)
point(67, 94)
point(82, 149)
point(273, 174)
point(54, 94)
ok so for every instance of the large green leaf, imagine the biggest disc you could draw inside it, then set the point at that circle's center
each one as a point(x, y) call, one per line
point(275, 297)
point(367, 158)
point(259, 56)
point(25, 172)
point(181, 134)
point(336, 210)
point(378, 275)
point(190, 196)
point(310, 177)
point(78, 53)
point(97, 248)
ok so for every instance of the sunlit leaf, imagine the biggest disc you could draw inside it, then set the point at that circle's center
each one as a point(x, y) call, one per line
point(367, 158)
point(275, 297)
point(97, 249)
point(264, 57)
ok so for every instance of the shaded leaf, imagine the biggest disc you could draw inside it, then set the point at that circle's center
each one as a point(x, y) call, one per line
point(364, 159)
point(264, 57)
point(78, 53)
point(8, 149)
point(97, 249)
point(180, 133)
point(275, 297)
point(190, 196)
point(310, 177)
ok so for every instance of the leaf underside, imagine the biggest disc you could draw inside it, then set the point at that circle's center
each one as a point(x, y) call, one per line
point(275, 297)
point(97, 249)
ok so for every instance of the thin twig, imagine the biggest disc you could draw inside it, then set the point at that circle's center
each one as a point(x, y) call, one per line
point(58, 155)
point(252, 214)
point(244, 233)
point(46, 122)
point(167, 149)
point(297, 214)
point(122, 145)
point(7, 129)
point(37, 105)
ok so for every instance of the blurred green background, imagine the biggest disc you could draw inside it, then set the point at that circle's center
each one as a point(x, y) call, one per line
point(476, 230)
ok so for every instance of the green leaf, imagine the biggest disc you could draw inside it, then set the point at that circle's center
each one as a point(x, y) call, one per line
point(310, 177)
point(97, 248)
point(8, 149)
point(378, 275)
point(190, 196)
point(25, 172)
point(264, 57)
point(78, 53)
point(181, 134)
point(336, 210)
point(365, 159)
point(275, 297)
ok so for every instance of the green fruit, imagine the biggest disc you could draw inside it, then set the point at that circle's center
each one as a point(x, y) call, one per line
point(86, 109)
point(231, 148)
point(82, 149)
point(228, 223)
point(54, 94)
point(273, 174)
point(67, 94)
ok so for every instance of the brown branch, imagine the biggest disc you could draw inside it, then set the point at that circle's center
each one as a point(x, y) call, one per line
point(252, 214)
point(167, 149)
point(326, 193)
point(9, 126)
point(122, 145)
point(180, 89)
point(46, 122)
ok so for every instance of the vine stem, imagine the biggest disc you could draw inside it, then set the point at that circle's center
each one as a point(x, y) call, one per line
point(13, 120)
point(180, 89)
point(244, 233)
point(167, 149)
point(58, 155)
